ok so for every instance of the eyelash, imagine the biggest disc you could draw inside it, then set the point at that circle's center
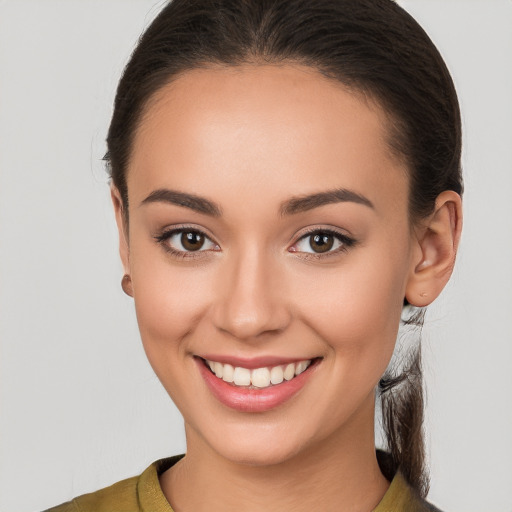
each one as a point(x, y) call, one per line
point(345, 241)
point(164, 237)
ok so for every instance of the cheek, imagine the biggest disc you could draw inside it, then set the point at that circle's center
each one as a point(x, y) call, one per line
point(169, 300)
point(356, 309)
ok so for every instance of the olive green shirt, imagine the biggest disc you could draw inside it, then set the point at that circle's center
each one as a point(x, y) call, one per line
point(144, 494)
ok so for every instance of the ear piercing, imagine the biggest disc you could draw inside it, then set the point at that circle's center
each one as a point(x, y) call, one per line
point(126, 285)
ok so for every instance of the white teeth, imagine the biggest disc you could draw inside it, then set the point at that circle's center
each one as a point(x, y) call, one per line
point(259, 377)
point(242, 376)
point(301, 367)
point(276, 375)
point(218, 369)
point(289, 372)
point(227, 373)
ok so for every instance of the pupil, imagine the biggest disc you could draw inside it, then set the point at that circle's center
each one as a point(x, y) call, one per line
point(321, 242)
point(192, 241)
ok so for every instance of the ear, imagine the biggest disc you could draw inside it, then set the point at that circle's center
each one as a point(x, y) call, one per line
point(122, 227)
point(434, 256)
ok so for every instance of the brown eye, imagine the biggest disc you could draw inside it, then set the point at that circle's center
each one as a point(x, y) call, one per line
point(321, 242)
point(192, 240)
point(183, 241)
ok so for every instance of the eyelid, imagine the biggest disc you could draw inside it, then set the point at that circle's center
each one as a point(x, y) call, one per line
point(346, 241)
point(166, 233)
point(176, 228)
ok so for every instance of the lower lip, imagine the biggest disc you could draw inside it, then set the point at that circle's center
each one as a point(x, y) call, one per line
point(253, 399)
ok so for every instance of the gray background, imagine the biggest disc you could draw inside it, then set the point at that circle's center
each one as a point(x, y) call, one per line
point(80, 406)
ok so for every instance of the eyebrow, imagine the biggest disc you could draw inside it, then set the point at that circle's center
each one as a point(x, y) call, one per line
point(196, 203)
point(290, 207)
point(308, 202)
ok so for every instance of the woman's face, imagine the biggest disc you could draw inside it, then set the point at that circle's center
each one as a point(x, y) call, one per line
point(268, 226)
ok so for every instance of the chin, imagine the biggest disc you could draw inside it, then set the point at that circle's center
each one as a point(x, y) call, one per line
point(261, 445)
point(256, 455)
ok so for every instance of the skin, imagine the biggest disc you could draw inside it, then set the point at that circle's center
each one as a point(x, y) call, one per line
point(249, 139)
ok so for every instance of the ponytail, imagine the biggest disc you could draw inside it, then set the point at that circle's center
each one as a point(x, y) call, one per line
point(402, 405)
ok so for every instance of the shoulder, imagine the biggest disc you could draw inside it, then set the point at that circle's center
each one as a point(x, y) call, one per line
point(134, 494)
point(120, 496)
point(401, 497)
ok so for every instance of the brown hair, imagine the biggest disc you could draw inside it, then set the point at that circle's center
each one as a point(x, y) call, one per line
point(372, 46)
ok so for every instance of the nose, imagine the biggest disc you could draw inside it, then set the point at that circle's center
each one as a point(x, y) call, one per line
point(251, 297)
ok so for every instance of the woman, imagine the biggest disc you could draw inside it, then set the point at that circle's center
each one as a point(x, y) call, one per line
point(287, 186)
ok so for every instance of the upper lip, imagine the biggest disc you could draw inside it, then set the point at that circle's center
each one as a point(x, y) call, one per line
point(253, 362)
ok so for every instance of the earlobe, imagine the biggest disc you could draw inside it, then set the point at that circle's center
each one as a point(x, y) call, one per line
point(434, 257)
point(120, 215)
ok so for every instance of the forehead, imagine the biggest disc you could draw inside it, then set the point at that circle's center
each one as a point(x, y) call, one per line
point(266, 128)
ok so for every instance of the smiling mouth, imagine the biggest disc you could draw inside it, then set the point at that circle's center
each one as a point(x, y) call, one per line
point(258, 378)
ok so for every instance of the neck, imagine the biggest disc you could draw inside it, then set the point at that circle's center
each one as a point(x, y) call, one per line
point(341, 473)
